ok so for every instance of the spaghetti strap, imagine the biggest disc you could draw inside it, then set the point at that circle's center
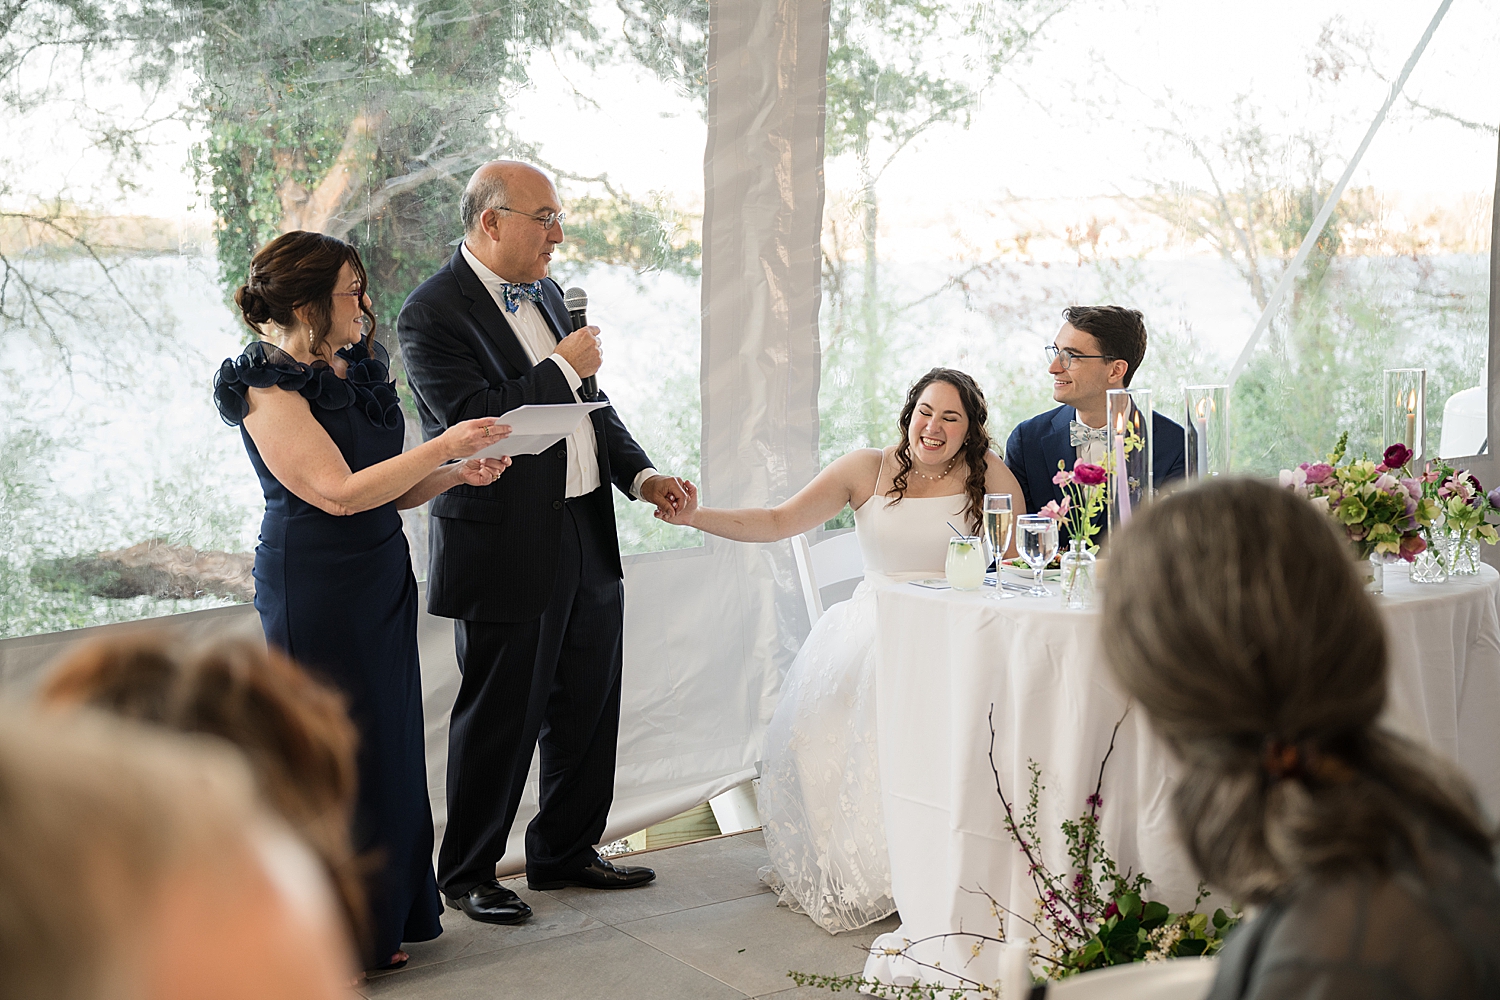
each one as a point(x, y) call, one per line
point(875, 490)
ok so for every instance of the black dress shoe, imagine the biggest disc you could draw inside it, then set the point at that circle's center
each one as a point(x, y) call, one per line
point(492, 903)
point(598, 874)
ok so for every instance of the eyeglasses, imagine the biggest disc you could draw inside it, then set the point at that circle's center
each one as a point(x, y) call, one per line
point(546, 221)
point(1068, 357)
point(358, 293)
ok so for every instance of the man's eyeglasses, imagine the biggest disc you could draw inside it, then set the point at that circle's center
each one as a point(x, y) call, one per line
point(1055, 353)
point(546, 221)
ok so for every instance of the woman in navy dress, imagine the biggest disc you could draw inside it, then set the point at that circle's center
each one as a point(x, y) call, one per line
point(320, 418)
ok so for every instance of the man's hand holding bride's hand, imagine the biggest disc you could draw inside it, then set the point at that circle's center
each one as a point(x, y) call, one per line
point(684, 497)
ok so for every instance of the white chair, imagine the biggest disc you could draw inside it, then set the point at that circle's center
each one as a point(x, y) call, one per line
point(1466, 417)
point(833, 560)
point(1170, 979)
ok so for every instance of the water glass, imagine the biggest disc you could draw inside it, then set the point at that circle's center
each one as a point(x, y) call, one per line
point(999, 523)
point(1038, 544)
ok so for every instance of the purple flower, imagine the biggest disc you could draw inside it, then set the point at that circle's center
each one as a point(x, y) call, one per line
point(1494, 497)
point(1397, 455)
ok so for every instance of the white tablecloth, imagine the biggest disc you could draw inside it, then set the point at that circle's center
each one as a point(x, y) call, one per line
point(946, 657)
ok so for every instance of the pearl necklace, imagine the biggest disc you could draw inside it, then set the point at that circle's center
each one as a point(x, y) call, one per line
point(935, 479)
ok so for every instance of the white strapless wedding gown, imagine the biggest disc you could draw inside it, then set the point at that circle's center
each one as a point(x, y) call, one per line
point(820, 777)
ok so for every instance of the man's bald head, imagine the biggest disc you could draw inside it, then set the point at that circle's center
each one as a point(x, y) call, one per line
point(489, 187)
point(512, 220)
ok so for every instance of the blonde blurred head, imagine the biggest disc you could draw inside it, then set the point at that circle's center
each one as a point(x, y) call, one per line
point(137, 864)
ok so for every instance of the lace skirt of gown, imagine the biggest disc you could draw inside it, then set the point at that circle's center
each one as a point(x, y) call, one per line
point(820, 779)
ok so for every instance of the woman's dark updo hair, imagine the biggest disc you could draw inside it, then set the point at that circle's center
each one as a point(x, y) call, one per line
point(299, 270)
point(975, 447)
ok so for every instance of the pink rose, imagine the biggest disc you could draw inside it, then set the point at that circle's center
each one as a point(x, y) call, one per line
point(1318, 472)
point(1088, 474)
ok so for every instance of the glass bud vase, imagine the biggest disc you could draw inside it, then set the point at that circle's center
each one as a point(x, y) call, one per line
point(1430, 566)
point(1375, 574)
point(1078, 565)
point(1463, 556)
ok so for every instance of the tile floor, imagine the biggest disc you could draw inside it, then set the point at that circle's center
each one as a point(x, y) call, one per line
point(706, 929)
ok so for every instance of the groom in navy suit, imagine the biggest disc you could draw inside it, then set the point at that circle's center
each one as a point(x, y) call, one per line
point(529, 565)
point(1098, 349)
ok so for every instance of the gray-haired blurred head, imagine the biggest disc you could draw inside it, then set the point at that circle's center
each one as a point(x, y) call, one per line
point(1236, 618)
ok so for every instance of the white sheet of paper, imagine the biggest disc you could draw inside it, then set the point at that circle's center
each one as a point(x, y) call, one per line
point(535, 428)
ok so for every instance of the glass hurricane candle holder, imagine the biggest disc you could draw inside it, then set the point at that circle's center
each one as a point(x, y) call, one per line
point(1207, 429)
point(1128, 414)
point(1406, 410)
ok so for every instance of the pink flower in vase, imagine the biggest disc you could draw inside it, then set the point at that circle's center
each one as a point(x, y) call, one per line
point(1412, 546)
point(1087, 474)
point(1052, 510)
point(1318, 472)
point(1063, 478)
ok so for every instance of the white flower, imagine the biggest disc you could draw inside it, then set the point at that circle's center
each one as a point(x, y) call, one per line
point(1321, 503)
point(1294, 477)
point(1387, 482)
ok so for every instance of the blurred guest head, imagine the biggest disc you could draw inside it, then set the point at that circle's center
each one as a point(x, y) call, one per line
point(512, 219)
point(136, 863)
point(1239, 623)
point(293, 730)
point(308, 291)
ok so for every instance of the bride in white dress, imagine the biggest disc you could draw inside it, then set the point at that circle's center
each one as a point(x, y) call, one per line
point(820, 778)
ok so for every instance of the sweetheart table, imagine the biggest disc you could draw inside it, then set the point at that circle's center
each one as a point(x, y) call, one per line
point(947, 660)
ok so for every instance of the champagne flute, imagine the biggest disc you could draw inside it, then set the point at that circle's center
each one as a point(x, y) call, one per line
point(999, 522)
point(1038, 546)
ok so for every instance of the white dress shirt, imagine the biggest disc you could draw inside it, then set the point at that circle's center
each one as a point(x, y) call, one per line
point(539, 343)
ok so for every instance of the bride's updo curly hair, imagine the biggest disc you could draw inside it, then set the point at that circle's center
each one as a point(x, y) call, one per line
point(975, 447)
point(299, 270)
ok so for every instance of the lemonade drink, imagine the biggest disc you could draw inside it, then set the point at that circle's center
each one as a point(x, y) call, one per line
point(966, 563)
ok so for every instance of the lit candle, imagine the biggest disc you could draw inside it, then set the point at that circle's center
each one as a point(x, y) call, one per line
point(1204, 405)
point(1411, 420)
point(1122, 478)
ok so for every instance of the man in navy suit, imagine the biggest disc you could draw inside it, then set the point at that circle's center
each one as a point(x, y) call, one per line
point(1098, 349)
point(530, 565)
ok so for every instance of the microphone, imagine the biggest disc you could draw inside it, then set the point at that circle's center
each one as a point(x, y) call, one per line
point(576, 301)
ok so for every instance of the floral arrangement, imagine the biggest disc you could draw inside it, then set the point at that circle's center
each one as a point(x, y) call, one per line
point(1090, 917)
point(1085, 492)
point(1381, 505)
point(1462, 506)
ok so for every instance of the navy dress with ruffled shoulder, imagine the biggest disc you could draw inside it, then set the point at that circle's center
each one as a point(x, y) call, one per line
point(338, 595)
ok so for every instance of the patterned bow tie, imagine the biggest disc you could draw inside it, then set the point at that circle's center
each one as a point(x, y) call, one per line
point(512, 295)
point(1081, 433)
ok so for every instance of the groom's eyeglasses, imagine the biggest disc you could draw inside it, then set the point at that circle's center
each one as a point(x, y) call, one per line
point(1068, 357)
point(546, 221)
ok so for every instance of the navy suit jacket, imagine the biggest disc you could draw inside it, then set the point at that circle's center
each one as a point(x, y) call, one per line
point(494, 549)
point(1037, 445)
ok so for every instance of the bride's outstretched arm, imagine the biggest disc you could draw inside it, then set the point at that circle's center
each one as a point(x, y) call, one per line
point(819, 500)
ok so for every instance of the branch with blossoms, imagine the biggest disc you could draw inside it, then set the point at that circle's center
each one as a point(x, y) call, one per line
point(1085, 494)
